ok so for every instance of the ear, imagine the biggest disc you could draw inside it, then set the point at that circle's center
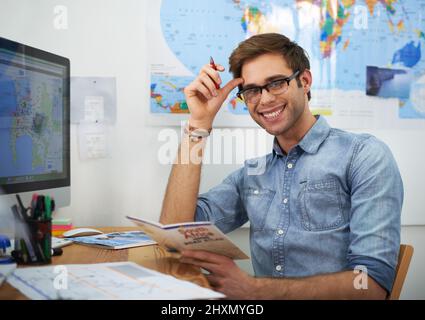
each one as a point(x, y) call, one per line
point(306, 80)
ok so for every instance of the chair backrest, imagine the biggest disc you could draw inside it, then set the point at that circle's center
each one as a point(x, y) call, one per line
point(404, 257)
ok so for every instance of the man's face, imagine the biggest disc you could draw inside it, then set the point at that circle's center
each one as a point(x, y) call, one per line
point(275, 113)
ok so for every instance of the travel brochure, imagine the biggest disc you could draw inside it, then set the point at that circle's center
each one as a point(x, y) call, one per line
point(201, 235)
point(116, 240)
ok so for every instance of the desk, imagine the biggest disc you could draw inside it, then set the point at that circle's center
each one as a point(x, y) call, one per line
point(153, 257)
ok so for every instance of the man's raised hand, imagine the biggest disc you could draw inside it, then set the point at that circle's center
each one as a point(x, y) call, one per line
point(202, 97)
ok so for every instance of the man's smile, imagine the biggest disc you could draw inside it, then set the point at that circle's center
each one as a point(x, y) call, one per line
point(272, 114)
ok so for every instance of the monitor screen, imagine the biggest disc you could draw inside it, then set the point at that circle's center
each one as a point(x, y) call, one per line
point(34, 119)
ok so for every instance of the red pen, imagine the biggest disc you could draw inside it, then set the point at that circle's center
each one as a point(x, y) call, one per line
point(33, 204)
point(212, 64)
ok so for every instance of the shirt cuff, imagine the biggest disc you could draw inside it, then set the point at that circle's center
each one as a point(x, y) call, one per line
point(226, 224)
point(200, 214)
point(379, 271)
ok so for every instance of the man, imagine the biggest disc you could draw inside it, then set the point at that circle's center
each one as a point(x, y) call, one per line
point(326, 210)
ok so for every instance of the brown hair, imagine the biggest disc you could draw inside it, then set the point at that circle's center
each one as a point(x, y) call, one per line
point(294, 55)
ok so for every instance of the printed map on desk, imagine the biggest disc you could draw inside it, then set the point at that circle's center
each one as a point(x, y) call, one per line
point(104, 281)
point(116, 240)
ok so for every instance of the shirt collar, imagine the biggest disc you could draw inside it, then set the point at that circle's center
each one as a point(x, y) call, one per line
point(311, 142)
point(276, 148)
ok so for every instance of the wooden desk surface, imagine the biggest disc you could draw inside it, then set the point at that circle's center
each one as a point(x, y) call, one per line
point(153, 257)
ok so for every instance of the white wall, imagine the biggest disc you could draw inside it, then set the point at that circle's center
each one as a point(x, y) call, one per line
point(107, 38)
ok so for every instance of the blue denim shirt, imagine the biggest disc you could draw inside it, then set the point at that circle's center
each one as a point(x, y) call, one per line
point(331, 204)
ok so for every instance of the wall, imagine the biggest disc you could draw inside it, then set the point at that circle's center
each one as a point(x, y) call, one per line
point(107, 38)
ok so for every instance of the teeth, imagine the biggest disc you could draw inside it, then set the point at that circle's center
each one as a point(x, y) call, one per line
point(272, 114)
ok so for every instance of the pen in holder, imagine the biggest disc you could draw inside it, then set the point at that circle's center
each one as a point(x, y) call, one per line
point(33, 240)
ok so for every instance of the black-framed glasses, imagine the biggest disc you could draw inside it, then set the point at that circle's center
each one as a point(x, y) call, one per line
point(253, 95)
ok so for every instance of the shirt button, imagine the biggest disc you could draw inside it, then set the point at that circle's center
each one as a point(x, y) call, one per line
point(285, 200)
point(289, 165)
point(256, 192)
point(280, 231)
point(278, 268)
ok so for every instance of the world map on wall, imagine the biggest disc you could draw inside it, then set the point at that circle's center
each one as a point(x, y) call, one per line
point(372, 46)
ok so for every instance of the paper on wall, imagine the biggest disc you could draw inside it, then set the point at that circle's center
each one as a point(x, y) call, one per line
point(94, 109)
point(93, 141)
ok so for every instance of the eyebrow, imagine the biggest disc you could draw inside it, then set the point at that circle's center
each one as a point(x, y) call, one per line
point(268, 79)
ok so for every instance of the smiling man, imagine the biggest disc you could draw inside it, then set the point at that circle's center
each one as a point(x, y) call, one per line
point(327, 205)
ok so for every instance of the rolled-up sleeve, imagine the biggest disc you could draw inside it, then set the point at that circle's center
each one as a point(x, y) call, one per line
point(376, 202)
point(223, 205)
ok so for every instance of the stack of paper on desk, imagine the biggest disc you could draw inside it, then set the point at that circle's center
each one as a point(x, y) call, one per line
point(104, 281)
point(116, 240)
point(6, 270)
point(60, 226)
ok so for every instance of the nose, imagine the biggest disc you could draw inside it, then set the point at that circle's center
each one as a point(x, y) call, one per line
point(266, 97)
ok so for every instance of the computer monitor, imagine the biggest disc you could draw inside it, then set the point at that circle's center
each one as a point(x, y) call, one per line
point(34, 123)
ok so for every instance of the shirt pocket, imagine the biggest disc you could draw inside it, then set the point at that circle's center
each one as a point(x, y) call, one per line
point(320, 203)
point(257, 204)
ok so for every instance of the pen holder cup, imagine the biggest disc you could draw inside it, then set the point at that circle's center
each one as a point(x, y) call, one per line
point(34, 243)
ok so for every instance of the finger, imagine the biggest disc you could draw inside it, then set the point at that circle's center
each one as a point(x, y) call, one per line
point(211, 267)
point(205, 256)
point(204, 91)
point(232, 84)
point(213, 280)
point(213, 74)
point(220, 67)
point(192, 90)
point(209, 83)
point(207, 266)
